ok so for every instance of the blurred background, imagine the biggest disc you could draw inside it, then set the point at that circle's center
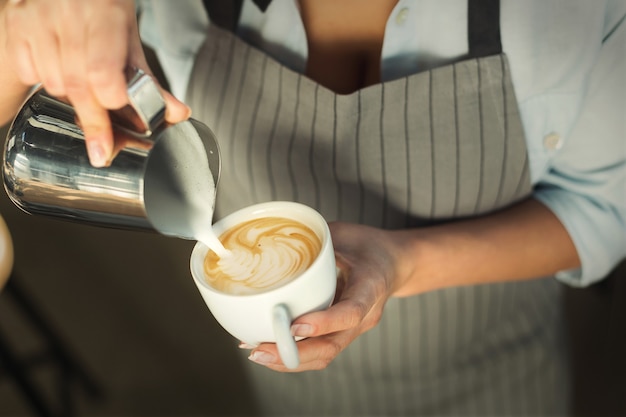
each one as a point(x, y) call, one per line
point(127, 314)
point(107, 322)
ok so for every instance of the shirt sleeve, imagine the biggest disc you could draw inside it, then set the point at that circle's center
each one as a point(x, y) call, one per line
point(585, 185)
point(175, 31)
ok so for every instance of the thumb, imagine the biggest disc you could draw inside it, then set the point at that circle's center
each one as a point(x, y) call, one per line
point(175, 110)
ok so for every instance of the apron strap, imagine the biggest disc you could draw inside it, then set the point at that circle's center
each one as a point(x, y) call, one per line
point(483, 28)
point(225, 13)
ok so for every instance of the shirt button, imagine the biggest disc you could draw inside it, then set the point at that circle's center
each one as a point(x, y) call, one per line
point(552, 141)
point(402, 15)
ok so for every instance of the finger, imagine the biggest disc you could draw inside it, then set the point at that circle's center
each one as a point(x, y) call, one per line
point(358, 306)
point(18, 49)
point(107, 54)
point(43, 46)
point(123, 140)
point(244, 345)
point(92, 117)
point(48, 64)
point(175, 110)
point(72, 51)
point(344, 315)
point(315, 353)
point(95, 123)
point(25, 67)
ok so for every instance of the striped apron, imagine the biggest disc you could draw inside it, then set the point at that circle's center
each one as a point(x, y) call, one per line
point(436, 145)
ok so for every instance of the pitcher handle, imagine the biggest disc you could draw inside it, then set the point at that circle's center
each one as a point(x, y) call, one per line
point(146, 108)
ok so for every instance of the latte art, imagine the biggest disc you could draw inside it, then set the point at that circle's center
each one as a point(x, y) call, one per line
point(264, 254)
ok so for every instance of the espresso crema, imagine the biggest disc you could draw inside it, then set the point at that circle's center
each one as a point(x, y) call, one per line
point(264, 254)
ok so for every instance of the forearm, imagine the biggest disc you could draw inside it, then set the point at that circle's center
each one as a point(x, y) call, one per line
point(523, 241)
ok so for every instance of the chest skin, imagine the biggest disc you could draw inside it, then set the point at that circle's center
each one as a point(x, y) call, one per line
point(345, 39)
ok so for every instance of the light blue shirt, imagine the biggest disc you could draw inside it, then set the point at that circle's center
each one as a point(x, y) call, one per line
point(568, 64)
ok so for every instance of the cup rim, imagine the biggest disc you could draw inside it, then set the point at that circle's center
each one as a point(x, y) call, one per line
point(200, 249)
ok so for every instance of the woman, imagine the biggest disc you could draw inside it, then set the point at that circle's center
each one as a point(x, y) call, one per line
point(462, 150)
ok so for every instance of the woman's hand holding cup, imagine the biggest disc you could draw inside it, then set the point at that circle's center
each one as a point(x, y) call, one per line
point(368, 259)
point(369, 265)
point(281, 266)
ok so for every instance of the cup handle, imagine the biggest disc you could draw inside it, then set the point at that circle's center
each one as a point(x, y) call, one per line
point(281, 320)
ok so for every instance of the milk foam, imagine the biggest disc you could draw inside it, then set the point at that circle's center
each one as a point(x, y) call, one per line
point(179, 187)
point(264, 254)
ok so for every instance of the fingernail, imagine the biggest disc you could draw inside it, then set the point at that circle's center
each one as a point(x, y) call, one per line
point(262, 358)
point(96, 155)
point(244, 345)
point(303, 330)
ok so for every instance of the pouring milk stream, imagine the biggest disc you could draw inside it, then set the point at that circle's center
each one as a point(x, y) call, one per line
point(164, 179)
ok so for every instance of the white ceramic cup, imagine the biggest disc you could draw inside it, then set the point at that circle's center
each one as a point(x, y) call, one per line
point(267, 316)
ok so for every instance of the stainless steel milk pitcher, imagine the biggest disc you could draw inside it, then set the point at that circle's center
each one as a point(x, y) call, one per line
point(150, 184)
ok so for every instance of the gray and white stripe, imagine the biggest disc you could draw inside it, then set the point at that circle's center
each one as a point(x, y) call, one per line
point(442, 144)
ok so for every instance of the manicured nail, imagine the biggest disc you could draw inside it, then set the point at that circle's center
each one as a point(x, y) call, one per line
point(244, 345)
point(302, 330)
point(97, 157)
point(262, 358)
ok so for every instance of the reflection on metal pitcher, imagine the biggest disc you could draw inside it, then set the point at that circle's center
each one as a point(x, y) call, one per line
point(47, 171)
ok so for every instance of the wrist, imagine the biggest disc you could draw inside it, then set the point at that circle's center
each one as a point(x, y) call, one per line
point(419, 260)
